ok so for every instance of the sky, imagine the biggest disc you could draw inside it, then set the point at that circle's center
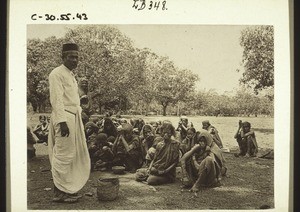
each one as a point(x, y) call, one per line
point(211, 51)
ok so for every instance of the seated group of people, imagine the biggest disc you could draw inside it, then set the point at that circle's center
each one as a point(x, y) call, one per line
point(113, 142)
point(153, 152)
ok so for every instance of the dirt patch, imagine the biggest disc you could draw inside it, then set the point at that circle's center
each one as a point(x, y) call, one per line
point(249, 185)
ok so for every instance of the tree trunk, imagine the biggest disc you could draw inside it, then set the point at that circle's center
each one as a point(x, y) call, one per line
point(165, 110)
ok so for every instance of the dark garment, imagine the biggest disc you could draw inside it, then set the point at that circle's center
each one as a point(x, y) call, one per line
point(247, 143)
point(203, 171)
point(203, 167)
point(166, 155)
point(215, 134)
point(186, 145)
point(41, 131)
point(183, 131)
point(133, 159)
point(242, 145)
point(103, 158)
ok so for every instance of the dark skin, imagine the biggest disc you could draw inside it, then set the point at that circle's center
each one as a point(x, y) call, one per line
point(70, 60)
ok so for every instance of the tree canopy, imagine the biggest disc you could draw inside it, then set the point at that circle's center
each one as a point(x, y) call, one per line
point(122, 77)
point(258, 56)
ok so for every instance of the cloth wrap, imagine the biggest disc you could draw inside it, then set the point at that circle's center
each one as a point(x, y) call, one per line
point(69, 156)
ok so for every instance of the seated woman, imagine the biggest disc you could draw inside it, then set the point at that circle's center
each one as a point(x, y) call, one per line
point(42, 130)
point(245, 137)
point(163, 167)
point(204, 164)
point(127, 149)
point(187, 143)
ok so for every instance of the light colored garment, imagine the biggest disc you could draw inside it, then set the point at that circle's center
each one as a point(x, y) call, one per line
point(63, 92)
point(69, 156)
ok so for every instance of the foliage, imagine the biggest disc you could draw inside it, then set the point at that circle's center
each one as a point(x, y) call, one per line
point(110, 63)
point(122, 77)
point(42, 57)
point(258, 57)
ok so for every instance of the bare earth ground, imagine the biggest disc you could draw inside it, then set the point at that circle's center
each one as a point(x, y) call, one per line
point(249, 184)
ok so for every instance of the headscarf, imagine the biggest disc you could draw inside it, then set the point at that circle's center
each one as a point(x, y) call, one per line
point(213, 147)
point(208, 137)
point(168, 125)
point(146, 127)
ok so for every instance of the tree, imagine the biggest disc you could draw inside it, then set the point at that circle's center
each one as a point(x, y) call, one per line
point(173, 85)
point(247, 102)
point(258, 57)
point(42, 57)
point(147, 91)
point(110, 62)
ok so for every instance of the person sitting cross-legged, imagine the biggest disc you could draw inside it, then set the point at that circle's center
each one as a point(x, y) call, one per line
point(162, 169)
point(41, 130)
point(103, 156)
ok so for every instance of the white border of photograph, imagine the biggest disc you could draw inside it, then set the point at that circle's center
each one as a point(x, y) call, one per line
point(213, 12)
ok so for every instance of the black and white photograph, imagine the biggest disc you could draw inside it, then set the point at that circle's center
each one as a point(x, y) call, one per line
point(141, 115)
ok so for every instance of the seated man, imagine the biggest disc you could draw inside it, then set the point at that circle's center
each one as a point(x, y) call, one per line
point(246, 140)
point(127, 149)
point(42, 130)
point(214, 132)
point(163, 167)
point(203, 165)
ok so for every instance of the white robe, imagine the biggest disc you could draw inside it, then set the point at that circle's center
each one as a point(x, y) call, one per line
point(69, 157)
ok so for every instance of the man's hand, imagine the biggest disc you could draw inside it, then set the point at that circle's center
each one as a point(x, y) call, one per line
point(64, 129)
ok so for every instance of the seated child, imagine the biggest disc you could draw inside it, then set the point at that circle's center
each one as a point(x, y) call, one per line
point(188, 142)
point(102, 157)
point(41, 130)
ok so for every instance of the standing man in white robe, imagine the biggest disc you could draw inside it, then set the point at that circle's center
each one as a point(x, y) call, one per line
point(68, 153)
